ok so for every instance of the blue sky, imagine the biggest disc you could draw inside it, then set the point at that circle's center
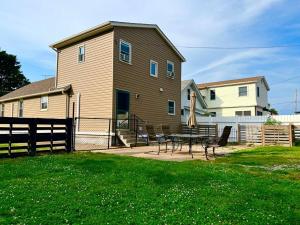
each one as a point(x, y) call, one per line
point(28, 27)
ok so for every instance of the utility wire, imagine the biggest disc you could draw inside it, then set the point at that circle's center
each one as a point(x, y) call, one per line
point(238, 48)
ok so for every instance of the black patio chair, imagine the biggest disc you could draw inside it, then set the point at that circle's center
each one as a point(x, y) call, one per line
point(216, 142)
point(155, 138)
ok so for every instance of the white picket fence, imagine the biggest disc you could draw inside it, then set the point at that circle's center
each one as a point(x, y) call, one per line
point(248, 121)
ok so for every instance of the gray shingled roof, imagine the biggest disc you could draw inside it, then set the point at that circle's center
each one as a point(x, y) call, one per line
point(39, 87)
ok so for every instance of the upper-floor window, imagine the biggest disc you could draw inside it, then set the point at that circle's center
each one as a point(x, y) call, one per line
point(188, 94)
point(125, 51)
point(171, 107)
point(257, 92)
point(44, 102)
point(81, 53)
point(170, 69)
point(243, 113)
point(21, 108)
point(213, 114)
point(212, 95)
point(153, 68)
point(2, 109)
point(259, 113)
point(243, 91)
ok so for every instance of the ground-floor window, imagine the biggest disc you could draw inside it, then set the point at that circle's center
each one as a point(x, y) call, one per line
point(21, 108)
point(2, 109)
point(171, 107)
point(182, 112)
point(44, 102)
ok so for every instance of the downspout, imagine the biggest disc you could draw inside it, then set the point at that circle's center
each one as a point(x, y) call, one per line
point(78, 112)
point(56, 75)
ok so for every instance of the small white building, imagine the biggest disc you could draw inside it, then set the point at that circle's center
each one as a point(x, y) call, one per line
point(187, 87)
point(240, 97)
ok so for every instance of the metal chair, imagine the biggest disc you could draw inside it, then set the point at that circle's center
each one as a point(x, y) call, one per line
point(216, 142)
point(176, 142)
point(155, 138)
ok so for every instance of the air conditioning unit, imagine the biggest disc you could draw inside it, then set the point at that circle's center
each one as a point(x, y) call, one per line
point(171, 75)
point(124, 57)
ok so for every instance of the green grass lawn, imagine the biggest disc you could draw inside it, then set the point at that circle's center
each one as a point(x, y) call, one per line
point(260, 186)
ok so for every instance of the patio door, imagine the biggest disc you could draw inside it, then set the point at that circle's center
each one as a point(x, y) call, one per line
point(122, 109)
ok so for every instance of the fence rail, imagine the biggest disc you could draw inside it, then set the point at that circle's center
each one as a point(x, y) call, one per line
point(31, 134)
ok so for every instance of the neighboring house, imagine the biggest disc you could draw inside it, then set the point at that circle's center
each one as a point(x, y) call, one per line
point(38, 99)
point(110, 71)
point(187, 87)
point(240, 97)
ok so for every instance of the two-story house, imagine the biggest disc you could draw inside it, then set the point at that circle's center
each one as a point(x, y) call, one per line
point(239, 97)
point(187, 87)
point(109, 71)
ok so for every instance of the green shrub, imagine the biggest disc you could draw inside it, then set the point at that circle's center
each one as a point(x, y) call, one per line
point(271, 121)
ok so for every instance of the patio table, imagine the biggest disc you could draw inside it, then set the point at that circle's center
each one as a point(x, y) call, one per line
point(190, 137)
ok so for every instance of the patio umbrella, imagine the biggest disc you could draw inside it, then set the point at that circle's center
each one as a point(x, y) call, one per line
point(192, 117)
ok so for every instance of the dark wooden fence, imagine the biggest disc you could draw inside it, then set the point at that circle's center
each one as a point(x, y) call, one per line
point(34, 134)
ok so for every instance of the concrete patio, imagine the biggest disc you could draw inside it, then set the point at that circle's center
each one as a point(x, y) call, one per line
point(150, 152)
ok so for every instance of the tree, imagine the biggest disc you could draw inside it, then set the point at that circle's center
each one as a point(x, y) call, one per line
point(11, 76)
point(273, 111)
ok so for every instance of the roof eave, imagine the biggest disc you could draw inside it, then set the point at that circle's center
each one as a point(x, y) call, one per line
point(108, 26)
point(62, 90)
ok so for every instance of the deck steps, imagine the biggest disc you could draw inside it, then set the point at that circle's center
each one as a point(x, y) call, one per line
point(129, 138)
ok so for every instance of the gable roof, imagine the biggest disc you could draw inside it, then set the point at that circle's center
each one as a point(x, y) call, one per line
point(246, 80)
point(108, 26)
point(41, 87)
point(186, 83)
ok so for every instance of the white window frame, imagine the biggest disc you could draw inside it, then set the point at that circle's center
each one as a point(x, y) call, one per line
point(172, 114)
point(2, 110)
point(19, 108)
point(173, 66)
point(78, 55)
point(156, 68)
point(41, 102)
point(130, 51)
point(246, 91)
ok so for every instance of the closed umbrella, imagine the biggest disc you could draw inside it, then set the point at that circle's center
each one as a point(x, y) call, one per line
point(192, 122)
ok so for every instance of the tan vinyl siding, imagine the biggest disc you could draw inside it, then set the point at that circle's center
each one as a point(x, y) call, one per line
point(56, 107)
point(92, 78)
point(152, 105)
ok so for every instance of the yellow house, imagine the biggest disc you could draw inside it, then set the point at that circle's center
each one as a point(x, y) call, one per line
point(239, 97)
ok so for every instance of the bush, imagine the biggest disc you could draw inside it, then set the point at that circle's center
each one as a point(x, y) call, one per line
point(271, 121)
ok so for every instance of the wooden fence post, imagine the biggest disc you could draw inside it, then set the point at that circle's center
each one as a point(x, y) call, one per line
point(32, 137)
point(263, 135)
point(291, 135)
point(239, 133)
point(69, 134)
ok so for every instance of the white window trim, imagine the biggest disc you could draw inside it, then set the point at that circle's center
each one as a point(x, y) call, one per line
point(130, 52)
point(156, 70)
point(80, 46)
point(47, 103)
point(173, 66)
point(172, 114)
point(239, 91)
